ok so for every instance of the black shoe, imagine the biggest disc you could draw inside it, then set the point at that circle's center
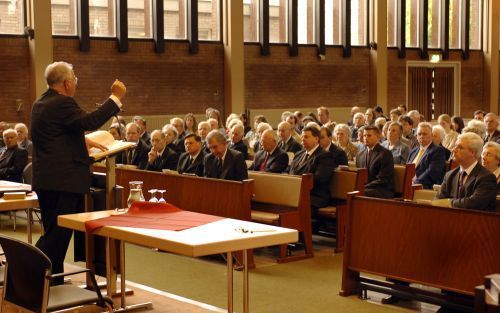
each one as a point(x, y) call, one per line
point(390, 300)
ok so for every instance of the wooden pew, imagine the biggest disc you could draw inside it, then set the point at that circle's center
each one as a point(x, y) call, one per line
point(284, 200)
point(403, 176)
point(224, 198)
point(344, 180)
point(450, 249)
point(487, 296)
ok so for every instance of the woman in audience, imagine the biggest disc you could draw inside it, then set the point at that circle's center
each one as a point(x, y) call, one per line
point(393, 143)
point(369, 117)
point(361, 140)
point(385, 131)
point(314, 118)
point(307, 119)
point(215, 114)
point(395, 114)
point(457, 123)
point(380, 122)
point(244, 119)
point(251, 135)
point(171, 135)
point(490, 158)
point(342, 134)
point(190, 124)
point(438, 134)
point(117, 131)
point(475, 126)
point(450, 135)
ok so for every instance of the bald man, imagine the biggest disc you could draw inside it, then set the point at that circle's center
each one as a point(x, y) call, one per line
point(271, 158)
point(160, 156)
point(137, 156)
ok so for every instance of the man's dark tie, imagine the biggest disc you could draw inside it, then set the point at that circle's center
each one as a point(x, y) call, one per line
point(367, 162)
point(281, 144)
point(487, 138)
point(460, 188)
point(263, 164)
point(219, 167)
point(130, 156)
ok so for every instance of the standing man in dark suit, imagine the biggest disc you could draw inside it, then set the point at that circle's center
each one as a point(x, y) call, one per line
point(492, 132)
point(470, 185)
point(429, 159)
point(237, 143)
point(325, 141)
point(379, 163)
point(318, 162)
point(222, 162)
point(191, 161)
point(271, 158)
point(61, 174)
point(287, 143)
point(161, 157)
point(13, 159)
point(137, 156)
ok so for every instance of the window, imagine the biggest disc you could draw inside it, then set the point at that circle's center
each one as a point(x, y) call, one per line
point(392, 23)
point(139, 18)
point(455, 13)
point(102, 18)
point(278, 21)
point(358, 22)
point(306, 21)
point(63, 17)
point(174, 19)
point(251, 20)
point(411, 23)
point(433, 24)
point(475, 24)
point(11, 17)
point(209, 20)
point(333, 19)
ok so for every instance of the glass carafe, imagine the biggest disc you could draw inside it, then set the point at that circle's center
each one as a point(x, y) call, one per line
point(135, 192)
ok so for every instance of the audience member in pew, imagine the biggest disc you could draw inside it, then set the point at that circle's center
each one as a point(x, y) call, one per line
point(237, 143)
point(285, 114)
point(203, 130)
point(380, 122)
point(325, 141)
point(13, 158)
point(399, 150)
point(314, 118)
point(379, 163)
point(251, 136)
point(145, 135)
point(438, 135)
point(118, 119)
point(178, 143)
point(160, 156)
point(359, 121)
point(415, 117)
point(379, 112)
point(61, 174)
point(457, 123)
point(260, 129)
point(271, 158)
point(342, 138)
point(190, 124)
point(429, 159)
point(385, 131)
point(215, 114)
point(354, 110)
point(222, 162)
point(451, 135)
point(292, 120)
point(286, 142)
point(244, 119)
point(395, 114)
point(191, 161)
point(479, 115)
point(117, 130)
point(313, 159)
point(408, 137)
point(475, 126)
point(323, 116)
point(3, 126)
point(403, 109)
point(300, 125)
point(492, 132)
point(214, 124)
point(306, 120)
point(469, 186)
point(170, 135)
point(369, 117)
point(490, 159)
point(137, 156)
point(360, 144)
point(22, 138)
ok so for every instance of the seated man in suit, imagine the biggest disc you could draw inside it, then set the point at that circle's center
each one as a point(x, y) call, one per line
point(492, 132)
point(259, 131)
point(3, 126)
point(271, 158)
point(178, 123)
point(161, 157)
point(22, 138)
point(470, 185)
point(379, 163)
point(137, 156)
point(237, 143)
point(429, 159)
point(145, 135)
point(222, 162)
point(287, 143)
point(313, 159)
point(203, 130)
point(13, 159)
point(325, 141)
point(191, 161)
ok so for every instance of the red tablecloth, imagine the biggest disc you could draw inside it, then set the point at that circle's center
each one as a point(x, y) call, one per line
point(153, 216)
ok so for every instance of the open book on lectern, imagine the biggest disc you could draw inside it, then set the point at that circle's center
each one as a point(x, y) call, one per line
point(106, 139)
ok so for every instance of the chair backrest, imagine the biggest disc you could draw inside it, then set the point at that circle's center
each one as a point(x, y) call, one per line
point(27, 267)
point(424, 194)
point(28, 173)
point(277, 189)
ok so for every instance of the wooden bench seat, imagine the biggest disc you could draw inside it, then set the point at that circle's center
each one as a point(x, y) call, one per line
point(284, 200)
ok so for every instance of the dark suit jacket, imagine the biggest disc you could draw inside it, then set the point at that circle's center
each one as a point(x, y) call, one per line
point(12, 163)
point(194, 168)
point(167, 160)
point(495, 137)
point(60, 158)
point(277, 162)
point(146, 137)
point(27, 145)
point(290, 146)
point(380, 168)
point(480, 189)
point(339, 156)
point(241, 147)
point(432, 166)
point(233, 168)
point(321, 164)
point(140, 156)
